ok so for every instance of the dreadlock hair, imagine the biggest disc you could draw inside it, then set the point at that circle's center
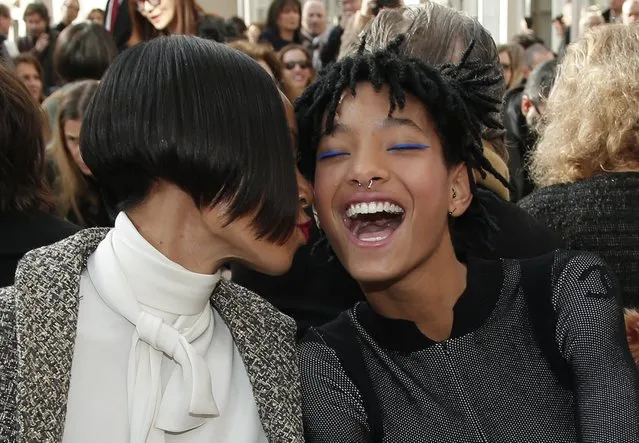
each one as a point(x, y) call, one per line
point(458, 100)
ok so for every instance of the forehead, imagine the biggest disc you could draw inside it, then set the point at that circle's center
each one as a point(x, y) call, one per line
point(294, 54)
point(314, 7)
point(368, 109)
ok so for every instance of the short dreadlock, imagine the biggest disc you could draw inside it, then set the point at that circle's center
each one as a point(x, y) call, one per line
point(456, 96)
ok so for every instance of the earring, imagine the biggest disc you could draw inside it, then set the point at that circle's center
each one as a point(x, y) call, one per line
point(452, 212)
point(454, 193)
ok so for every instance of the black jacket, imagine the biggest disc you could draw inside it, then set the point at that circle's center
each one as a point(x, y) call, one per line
point(21, 232)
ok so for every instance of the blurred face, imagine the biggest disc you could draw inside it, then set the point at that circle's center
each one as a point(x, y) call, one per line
point(159, 12)
point(314, 20)
point(383, 233)
point(289, 18)
point(72, 142)
point(36, 25)
point(70, 10)
point(97, 17)
point(349, 7)
point(31, 79)
point(297, 69)
point(630, 13)
point(5, 25)
point(504, 61)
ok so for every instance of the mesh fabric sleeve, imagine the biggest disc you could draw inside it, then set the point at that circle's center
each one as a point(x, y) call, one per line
point(332, 406)
point(591, 337)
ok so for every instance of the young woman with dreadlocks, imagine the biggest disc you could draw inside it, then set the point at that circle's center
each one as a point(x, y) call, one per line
point(447, 347)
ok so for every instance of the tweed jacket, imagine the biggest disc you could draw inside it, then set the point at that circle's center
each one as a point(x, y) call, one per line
point(38, 323)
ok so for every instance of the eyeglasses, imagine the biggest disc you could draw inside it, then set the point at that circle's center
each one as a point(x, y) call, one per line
point(302, 64)
point(140, 3)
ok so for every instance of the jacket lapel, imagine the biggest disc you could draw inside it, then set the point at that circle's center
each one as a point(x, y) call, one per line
point(47, 284)
point(265, 339)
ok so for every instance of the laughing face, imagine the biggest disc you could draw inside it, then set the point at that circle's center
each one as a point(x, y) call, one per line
point(382, 188)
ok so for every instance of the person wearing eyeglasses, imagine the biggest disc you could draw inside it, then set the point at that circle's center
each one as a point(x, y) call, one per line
point(153, 18)
point(298, 72)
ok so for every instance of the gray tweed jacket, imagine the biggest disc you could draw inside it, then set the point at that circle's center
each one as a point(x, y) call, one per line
point(38, 321)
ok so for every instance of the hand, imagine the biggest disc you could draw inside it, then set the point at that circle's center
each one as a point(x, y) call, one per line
point(42, 43)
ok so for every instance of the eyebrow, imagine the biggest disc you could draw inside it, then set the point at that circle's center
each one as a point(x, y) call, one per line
point(393, 122)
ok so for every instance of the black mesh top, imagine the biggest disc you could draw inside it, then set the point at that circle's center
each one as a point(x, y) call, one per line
point(493, 380)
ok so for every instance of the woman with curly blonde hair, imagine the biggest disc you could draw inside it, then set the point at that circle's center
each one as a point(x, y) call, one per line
point(587, 159)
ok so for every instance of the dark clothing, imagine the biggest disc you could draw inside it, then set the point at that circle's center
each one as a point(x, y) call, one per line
point(216, 28)
point(273, 37)
point(330, 50)
point(27, 44)
point(519, 140)
point(21, 232)
point(60, 27)
point(121, 31)
point(315, 290)
point(491, 381)
point(599, 215)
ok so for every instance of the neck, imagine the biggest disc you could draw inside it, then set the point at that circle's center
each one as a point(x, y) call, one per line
point(426, 295)
point(287, 35)
point(169, 220)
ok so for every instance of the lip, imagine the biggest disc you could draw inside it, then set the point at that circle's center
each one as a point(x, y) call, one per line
point(305, 229)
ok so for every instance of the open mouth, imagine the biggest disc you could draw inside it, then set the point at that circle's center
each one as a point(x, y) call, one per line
point(373, 223)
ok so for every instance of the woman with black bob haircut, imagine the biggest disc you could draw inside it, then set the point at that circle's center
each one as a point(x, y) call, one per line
point(190, 140)
point(447, 347)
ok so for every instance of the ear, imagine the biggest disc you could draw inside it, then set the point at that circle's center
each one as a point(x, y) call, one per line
point(460, 195)
point(526, 105)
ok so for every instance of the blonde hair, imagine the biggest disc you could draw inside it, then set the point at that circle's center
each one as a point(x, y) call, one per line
point(590, 18)
point(591, 121)
point(71, 186)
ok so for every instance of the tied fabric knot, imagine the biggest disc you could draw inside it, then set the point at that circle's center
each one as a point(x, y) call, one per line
point(189, 387)
point(180, 328)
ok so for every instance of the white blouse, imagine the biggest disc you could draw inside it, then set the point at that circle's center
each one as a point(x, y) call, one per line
point(153, 361)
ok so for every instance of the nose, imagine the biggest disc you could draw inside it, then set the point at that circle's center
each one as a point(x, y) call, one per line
point(304, 190)
point(367, 165)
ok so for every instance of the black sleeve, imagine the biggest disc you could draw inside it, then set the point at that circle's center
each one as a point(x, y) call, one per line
point(330, 50)
point(332, 406)
point(591, 336)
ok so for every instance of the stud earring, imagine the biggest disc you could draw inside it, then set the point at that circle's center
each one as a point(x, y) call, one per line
point(452, 212)
point(454, 193)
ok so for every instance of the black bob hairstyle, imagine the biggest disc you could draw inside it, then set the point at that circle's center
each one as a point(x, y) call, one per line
point(199, 115)
point(457, 98)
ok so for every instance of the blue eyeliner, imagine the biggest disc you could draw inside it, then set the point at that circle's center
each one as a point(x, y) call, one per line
point(330, 154)
point(408, 146)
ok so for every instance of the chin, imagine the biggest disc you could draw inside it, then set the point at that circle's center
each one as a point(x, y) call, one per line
point(274, 266)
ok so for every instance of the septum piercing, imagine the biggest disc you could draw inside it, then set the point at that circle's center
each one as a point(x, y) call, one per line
point(370, 184)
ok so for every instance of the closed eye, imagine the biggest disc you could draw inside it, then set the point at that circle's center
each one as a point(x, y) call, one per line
point(330, 154)
point(408, 146)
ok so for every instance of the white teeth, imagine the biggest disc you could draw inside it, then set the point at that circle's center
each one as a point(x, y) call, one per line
point(373, 208)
